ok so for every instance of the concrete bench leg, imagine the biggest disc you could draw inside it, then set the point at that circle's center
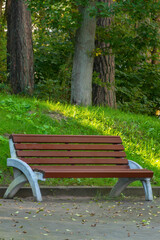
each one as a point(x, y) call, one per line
point(148, 189)
point(22, 174)
point(120, 186)
point(124, 182)
point(15, 185)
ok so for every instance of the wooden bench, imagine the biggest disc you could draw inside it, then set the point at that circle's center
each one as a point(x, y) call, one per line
point(36, 157)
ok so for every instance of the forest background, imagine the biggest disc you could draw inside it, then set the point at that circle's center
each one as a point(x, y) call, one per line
point(129, 38)
point(40, 54)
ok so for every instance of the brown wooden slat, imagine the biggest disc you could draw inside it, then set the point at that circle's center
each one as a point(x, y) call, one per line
point(69, 136)
point(92, 172)
point(21, 146)
point(75, 161)
point(65, 139)
point(79, 168)
point(69, 154)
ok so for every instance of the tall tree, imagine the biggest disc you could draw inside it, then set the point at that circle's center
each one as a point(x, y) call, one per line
point(1, 4)
point(81, 83)
point(3, 54)
point(19, 47)
point(155, 53)
point(104, 65)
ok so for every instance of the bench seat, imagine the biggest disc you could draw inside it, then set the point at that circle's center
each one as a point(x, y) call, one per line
point(37, 157)
point(91, 172)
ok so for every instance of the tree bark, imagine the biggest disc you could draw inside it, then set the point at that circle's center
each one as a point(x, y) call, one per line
point(104, 65)
point(19, 47)
point(155, 51)
point(81, 84)
point(1, 3)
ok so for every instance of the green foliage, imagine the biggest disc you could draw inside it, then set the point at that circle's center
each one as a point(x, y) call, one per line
point(57, 86)
point(140, 9)
point(3, 139)
point(134, 39)
point(4, 87)
point(24, 113)
point(54, 29)
point(138, 91)
point(133, 35)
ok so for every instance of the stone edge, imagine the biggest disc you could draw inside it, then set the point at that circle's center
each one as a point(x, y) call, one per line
point(80, 191)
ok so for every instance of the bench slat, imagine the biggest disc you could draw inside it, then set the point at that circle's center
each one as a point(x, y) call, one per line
point(92, 172)
point(115, 147)
point(75, 160)
point(69, 154)
point(65, 139)
point(79, 168)
point(69, 136)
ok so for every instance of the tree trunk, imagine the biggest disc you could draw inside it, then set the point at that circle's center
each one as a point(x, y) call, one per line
point(155, 53)
point(104, 65)
point(19, 47)
point(1, 3)
point(81, 84)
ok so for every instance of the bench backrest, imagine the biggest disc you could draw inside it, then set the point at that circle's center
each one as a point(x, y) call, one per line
point(70, 149)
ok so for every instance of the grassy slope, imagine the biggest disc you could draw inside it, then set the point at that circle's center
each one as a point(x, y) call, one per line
point(140, 134)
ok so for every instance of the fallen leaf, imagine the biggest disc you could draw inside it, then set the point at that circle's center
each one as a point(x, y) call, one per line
point(28, 212)
point(83, 221)
point(39, 210)
point(93, 225)
point(78, 215)
point(92, 214)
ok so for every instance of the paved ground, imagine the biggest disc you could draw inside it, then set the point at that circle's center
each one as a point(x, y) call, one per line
point(79, 219)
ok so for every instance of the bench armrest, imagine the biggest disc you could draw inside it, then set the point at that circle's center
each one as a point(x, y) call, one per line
point(134, 165)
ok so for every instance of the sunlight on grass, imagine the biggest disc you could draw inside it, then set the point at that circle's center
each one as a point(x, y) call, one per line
point(140, 134)
point(132, 128)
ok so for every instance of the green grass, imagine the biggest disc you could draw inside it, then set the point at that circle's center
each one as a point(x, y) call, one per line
point(140, 133)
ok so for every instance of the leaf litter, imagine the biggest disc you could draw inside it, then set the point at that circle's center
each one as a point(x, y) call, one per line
point(142, 215)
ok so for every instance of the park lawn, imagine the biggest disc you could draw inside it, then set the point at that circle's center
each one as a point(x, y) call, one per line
point(140, 133)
